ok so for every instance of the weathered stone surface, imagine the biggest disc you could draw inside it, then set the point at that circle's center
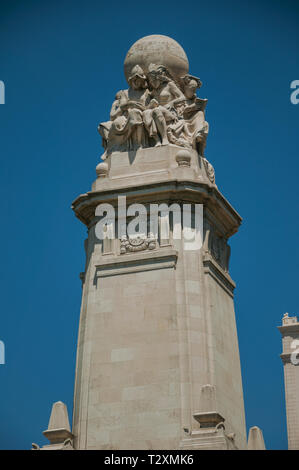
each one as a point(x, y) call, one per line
point(160, 106)
point(256, 439)
point(157, 49)
point(157, 324)
point(58, 432)
point(157, 358)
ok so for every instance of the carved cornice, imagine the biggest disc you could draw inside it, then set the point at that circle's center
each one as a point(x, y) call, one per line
point(288, 330)
point(170, 191)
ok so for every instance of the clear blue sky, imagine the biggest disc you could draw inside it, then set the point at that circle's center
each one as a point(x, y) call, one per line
point(62, 63)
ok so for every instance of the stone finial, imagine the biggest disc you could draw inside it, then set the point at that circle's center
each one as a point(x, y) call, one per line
point(183, 158)
point(256, 439)
point(59, 427)
point(102, 169)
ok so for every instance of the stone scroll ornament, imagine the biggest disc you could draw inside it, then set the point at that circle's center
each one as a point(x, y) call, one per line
point(159, 107)
point(128, 244)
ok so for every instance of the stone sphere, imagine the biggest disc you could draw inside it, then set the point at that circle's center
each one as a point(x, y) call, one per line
point(102, 169)
point(159, 50)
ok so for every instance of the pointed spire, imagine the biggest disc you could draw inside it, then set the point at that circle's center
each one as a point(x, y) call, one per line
point(59, 427)
point(256, 439)
point(59, 417)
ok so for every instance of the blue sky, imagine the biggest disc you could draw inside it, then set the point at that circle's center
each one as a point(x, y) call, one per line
point(62, 63)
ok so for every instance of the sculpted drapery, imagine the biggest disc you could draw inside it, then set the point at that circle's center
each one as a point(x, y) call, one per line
point(156, 110)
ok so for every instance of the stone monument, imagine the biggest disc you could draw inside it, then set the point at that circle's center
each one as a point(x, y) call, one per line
point(157, 360)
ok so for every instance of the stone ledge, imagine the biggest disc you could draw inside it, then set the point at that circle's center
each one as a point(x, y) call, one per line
point(136, 262)
point(208, 439)
point(208, 419)
point(173, 190)
point(292, 328)
point(58, 436)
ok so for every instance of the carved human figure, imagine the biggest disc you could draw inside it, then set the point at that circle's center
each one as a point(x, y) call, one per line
point(142, 117)
point(125, 130)
point(191, 129)
point(194, 113)
point(165, 93)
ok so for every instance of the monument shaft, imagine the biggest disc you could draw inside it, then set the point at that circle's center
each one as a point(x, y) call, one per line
point(157, 361)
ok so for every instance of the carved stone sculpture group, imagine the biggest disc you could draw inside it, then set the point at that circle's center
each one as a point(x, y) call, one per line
point(156, 110)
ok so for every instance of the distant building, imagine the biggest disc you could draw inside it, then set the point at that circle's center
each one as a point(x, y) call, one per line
point(290, 358)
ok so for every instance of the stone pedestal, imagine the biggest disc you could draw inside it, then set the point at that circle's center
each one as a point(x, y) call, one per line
point(58, 432)
point(158, 361)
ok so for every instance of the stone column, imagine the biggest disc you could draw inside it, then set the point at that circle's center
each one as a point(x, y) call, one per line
point(158, 361)
point(290, 359)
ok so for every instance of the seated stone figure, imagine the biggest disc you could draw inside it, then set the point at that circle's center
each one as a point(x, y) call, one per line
point(156, 110)
point(191, 128)
point(165, 93)
point(125, 130)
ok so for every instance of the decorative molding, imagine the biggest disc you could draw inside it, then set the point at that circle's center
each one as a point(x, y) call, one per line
point(130, 244)
point(212, 268)
point(209, 170)
point(209, 439)
point(170, 190)
point(209, 419)
point(58, 436)
point(287, 330)
point(286, 358)
point(137, 262)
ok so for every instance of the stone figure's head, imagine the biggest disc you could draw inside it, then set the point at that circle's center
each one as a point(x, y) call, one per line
point(190, 85)
point(137, 79)
point(118, 96)
point(158, 74)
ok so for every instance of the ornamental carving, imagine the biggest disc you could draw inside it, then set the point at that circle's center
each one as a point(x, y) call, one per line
point(209, 170)
point(133, 244)
point(220, 250)
point(159, 107)
point(216, 246)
